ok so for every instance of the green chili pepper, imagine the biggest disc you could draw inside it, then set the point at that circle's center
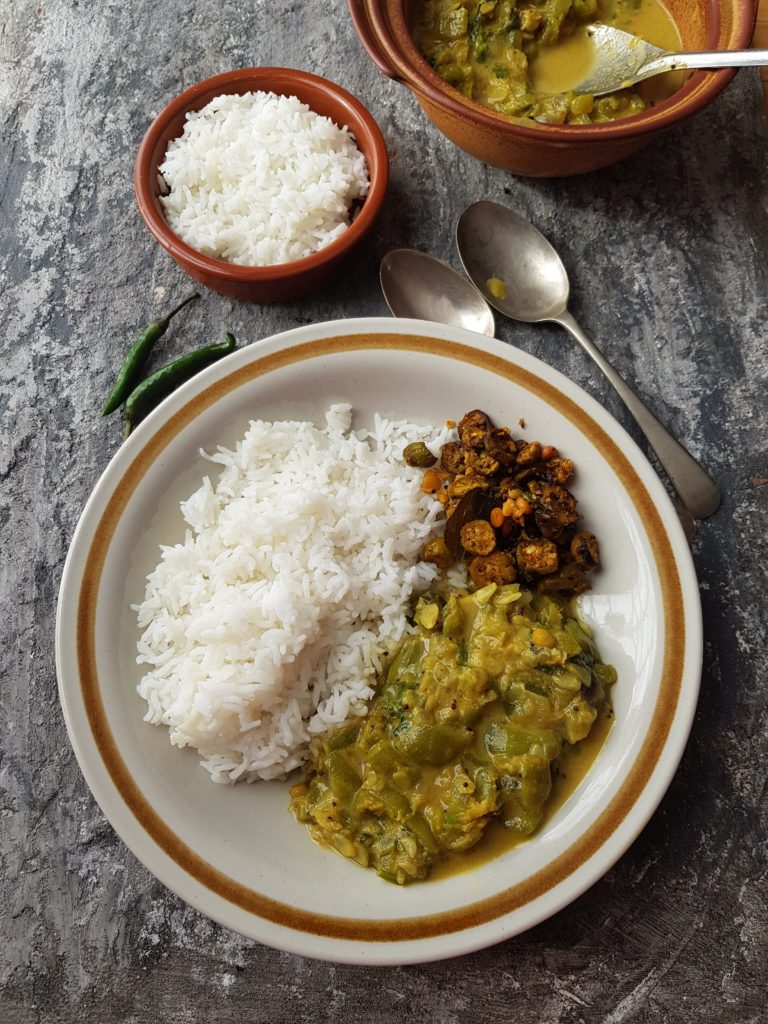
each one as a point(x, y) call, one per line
point(139, 352)
point(153, 389)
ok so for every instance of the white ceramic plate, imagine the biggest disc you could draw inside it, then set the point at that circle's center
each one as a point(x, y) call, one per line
point(236, 853)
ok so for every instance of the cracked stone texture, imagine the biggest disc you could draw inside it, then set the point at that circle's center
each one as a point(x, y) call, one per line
point(667, 254)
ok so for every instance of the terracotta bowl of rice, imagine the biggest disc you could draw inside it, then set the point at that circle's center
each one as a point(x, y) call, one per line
point(261, 182)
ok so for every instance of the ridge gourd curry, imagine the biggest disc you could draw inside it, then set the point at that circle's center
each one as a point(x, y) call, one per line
point(524, 57)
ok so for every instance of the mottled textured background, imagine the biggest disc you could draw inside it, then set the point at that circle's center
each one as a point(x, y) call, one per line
point(668, 260)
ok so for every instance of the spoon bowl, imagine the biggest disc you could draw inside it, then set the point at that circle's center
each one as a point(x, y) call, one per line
point(419, 286)
point(622, 60)
point(521, 275)
point(496, 242)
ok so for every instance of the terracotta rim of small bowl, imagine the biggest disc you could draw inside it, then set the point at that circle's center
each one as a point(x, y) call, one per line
point(383, 31)
point(283, 80)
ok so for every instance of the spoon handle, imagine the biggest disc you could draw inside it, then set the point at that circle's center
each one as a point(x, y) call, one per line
point(696, 489)
point(704, 59)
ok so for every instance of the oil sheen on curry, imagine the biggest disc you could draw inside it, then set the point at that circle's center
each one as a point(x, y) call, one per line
point(524, 57)
point(497, 693)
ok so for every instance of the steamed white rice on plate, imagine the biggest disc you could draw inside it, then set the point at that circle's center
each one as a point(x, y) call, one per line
point(267, 625)
point(259, 179)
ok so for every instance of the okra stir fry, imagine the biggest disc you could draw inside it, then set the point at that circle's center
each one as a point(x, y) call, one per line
point(508, 512)
point(498, 683)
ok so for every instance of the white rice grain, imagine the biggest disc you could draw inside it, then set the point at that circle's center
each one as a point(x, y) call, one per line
point(259, 179)
point(267, 625)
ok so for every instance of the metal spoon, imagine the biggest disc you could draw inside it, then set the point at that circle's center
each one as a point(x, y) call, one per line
point(622, 59)
point(495, 242)
point(419, 286)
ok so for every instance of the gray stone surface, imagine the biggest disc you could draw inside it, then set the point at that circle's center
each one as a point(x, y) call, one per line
point(668, 258)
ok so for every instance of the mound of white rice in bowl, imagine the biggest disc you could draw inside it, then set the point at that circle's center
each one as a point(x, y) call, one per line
point(260, 179)
point(268, 624)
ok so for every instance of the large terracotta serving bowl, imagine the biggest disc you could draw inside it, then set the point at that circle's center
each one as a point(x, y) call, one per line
point(524, 147)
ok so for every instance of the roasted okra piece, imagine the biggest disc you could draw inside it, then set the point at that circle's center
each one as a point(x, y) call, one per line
point(473, 428)
point(417, 454)
point(478, 537)
point(435, 551)
point(498, 567)
point(501, 445)
point(537, 557)
point(453, 457)
point(585, 551)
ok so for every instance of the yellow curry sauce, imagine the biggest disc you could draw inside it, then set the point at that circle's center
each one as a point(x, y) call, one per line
point(567, 772)
point(475, 715)
point(522, 57)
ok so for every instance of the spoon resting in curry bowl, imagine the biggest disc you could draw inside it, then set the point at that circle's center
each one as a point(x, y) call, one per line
point(622, 60)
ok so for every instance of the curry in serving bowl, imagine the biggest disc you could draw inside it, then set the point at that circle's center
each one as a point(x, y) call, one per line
point(558, 139)
point(523, 58)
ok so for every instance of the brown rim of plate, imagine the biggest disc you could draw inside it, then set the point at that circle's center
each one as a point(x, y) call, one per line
point(471, 915)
